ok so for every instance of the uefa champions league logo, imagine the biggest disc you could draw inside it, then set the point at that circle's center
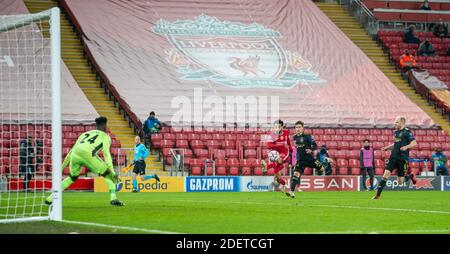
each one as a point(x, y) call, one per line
point(233, 54)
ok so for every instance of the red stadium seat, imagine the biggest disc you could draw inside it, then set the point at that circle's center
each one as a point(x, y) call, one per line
point(182, 144)
point(169, 136)
point(353, 163)
point(197, 144)
point(219, 154)
point(201, 153)
point(188, 153)
point(193, 136)
point(233, 165)
point(336, 137)
point(231, 137)
point(232, 153)
point(377, 145)
point(379, 163)
point(364, 132)
point(221, 171)
point(165, 129)
point(250, 153)
point(257, 168)
point(212, 144)
point(157, 137)
point(180, 136)
point(66, 128)
point(386, 155)
point(228, 144)
point(167, 143)
point(245, 167)
point(341, 163)
point(218, 137)
point(330, 132)
point(342, 171)
point(318, 132)
point(205, 137)
point(78, 128)
point(379, 171)
point(355, 171)
point(353, 154)
point(196, 166)
point(343, 145)
point(332, 145)
point(341, 154)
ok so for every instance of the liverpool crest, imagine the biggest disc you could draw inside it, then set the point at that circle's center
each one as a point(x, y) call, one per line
point(233, 54)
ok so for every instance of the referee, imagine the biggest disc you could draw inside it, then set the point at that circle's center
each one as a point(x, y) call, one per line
point(140, 153)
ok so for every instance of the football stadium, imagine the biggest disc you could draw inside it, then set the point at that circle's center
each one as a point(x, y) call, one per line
point(224, 117)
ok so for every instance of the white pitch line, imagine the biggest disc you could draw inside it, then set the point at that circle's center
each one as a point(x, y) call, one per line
point(384, 208)
point(120, 227)
point(328, 206)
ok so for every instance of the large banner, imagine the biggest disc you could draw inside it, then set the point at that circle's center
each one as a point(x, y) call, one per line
point(426, 183)
point(327, 183)
point(209, 62)
point(446, 183)
point(256, 183)
point(167, 184)
point(212, 184)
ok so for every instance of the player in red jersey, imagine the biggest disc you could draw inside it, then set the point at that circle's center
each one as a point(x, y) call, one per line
point(278, 141)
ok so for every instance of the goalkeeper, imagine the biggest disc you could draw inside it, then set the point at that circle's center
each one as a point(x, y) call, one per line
point(85, 153)
point(140, 154)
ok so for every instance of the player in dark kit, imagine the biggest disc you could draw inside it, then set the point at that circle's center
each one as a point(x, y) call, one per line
point(403, 141)
point(305, 145)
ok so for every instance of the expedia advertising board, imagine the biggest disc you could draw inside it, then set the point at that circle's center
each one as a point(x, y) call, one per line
point(424, 183)
point(212, 184)
point(446, 183)
point(256, 183)
point(167, 184)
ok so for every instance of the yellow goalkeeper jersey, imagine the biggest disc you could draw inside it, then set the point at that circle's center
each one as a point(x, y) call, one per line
point(93, 142)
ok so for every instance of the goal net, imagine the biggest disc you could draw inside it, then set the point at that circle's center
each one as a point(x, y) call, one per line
point(30, 117)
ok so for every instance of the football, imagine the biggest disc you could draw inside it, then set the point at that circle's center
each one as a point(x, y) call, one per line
point(273, 155)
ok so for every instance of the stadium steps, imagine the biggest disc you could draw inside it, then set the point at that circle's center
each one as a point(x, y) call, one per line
point(359, 36)
point(73, 56)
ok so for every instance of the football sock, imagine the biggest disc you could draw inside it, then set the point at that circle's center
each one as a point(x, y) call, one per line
point(294, 182)
point(66, 183)
point(135, 184)
point(381, 187)
point(146, 177)
point(407, 178)
point(111, 187)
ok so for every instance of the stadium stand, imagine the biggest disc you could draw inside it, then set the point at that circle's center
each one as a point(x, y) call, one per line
point(11, 134)
point(136, 66)
point(18, 122)
point(435, 5)
point(237, 160)
point(150, 76)
point(150, 79)
point(437, 67)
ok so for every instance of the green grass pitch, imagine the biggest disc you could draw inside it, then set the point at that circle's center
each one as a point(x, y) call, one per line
point(234, 213)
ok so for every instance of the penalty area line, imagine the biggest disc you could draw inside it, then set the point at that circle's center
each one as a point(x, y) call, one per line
point(119, 227)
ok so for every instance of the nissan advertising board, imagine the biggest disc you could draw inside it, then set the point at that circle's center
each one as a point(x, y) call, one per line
point(327, 183)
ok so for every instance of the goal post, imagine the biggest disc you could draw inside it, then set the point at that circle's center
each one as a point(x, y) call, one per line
point(30, 117)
